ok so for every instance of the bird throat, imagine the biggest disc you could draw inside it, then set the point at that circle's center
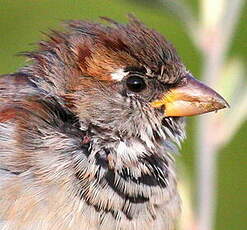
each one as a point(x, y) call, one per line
point(126, 172)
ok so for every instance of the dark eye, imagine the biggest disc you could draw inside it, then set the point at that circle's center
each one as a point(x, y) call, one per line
point(135, 83)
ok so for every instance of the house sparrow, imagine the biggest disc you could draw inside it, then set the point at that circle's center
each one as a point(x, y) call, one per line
point(88, 130)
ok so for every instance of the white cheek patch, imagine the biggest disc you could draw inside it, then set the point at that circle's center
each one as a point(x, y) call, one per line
point(119, 75)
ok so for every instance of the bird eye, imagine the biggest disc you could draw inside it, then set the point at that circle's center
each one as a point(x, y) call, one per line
point(135, 83)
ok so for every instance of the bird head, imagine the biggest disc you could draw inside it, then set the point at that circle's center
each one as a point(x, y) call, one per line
point(125, 78)
point(99, 110)
point(125, 82)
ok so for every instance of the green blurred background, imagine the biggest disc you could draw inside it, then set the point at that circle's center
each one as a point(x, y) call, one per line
point(21, 24)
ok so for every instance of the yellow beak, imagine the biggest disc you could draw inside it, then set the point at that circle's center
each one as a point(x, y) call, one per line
point(189, 98)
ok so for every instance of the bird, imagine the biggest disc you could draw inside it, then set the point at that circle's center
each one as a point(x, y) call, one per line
point(89, 128)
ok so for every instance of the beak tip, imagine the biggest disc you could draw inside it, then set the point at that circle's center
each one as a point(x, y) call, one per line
point(227, 105)
point(223, 103)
